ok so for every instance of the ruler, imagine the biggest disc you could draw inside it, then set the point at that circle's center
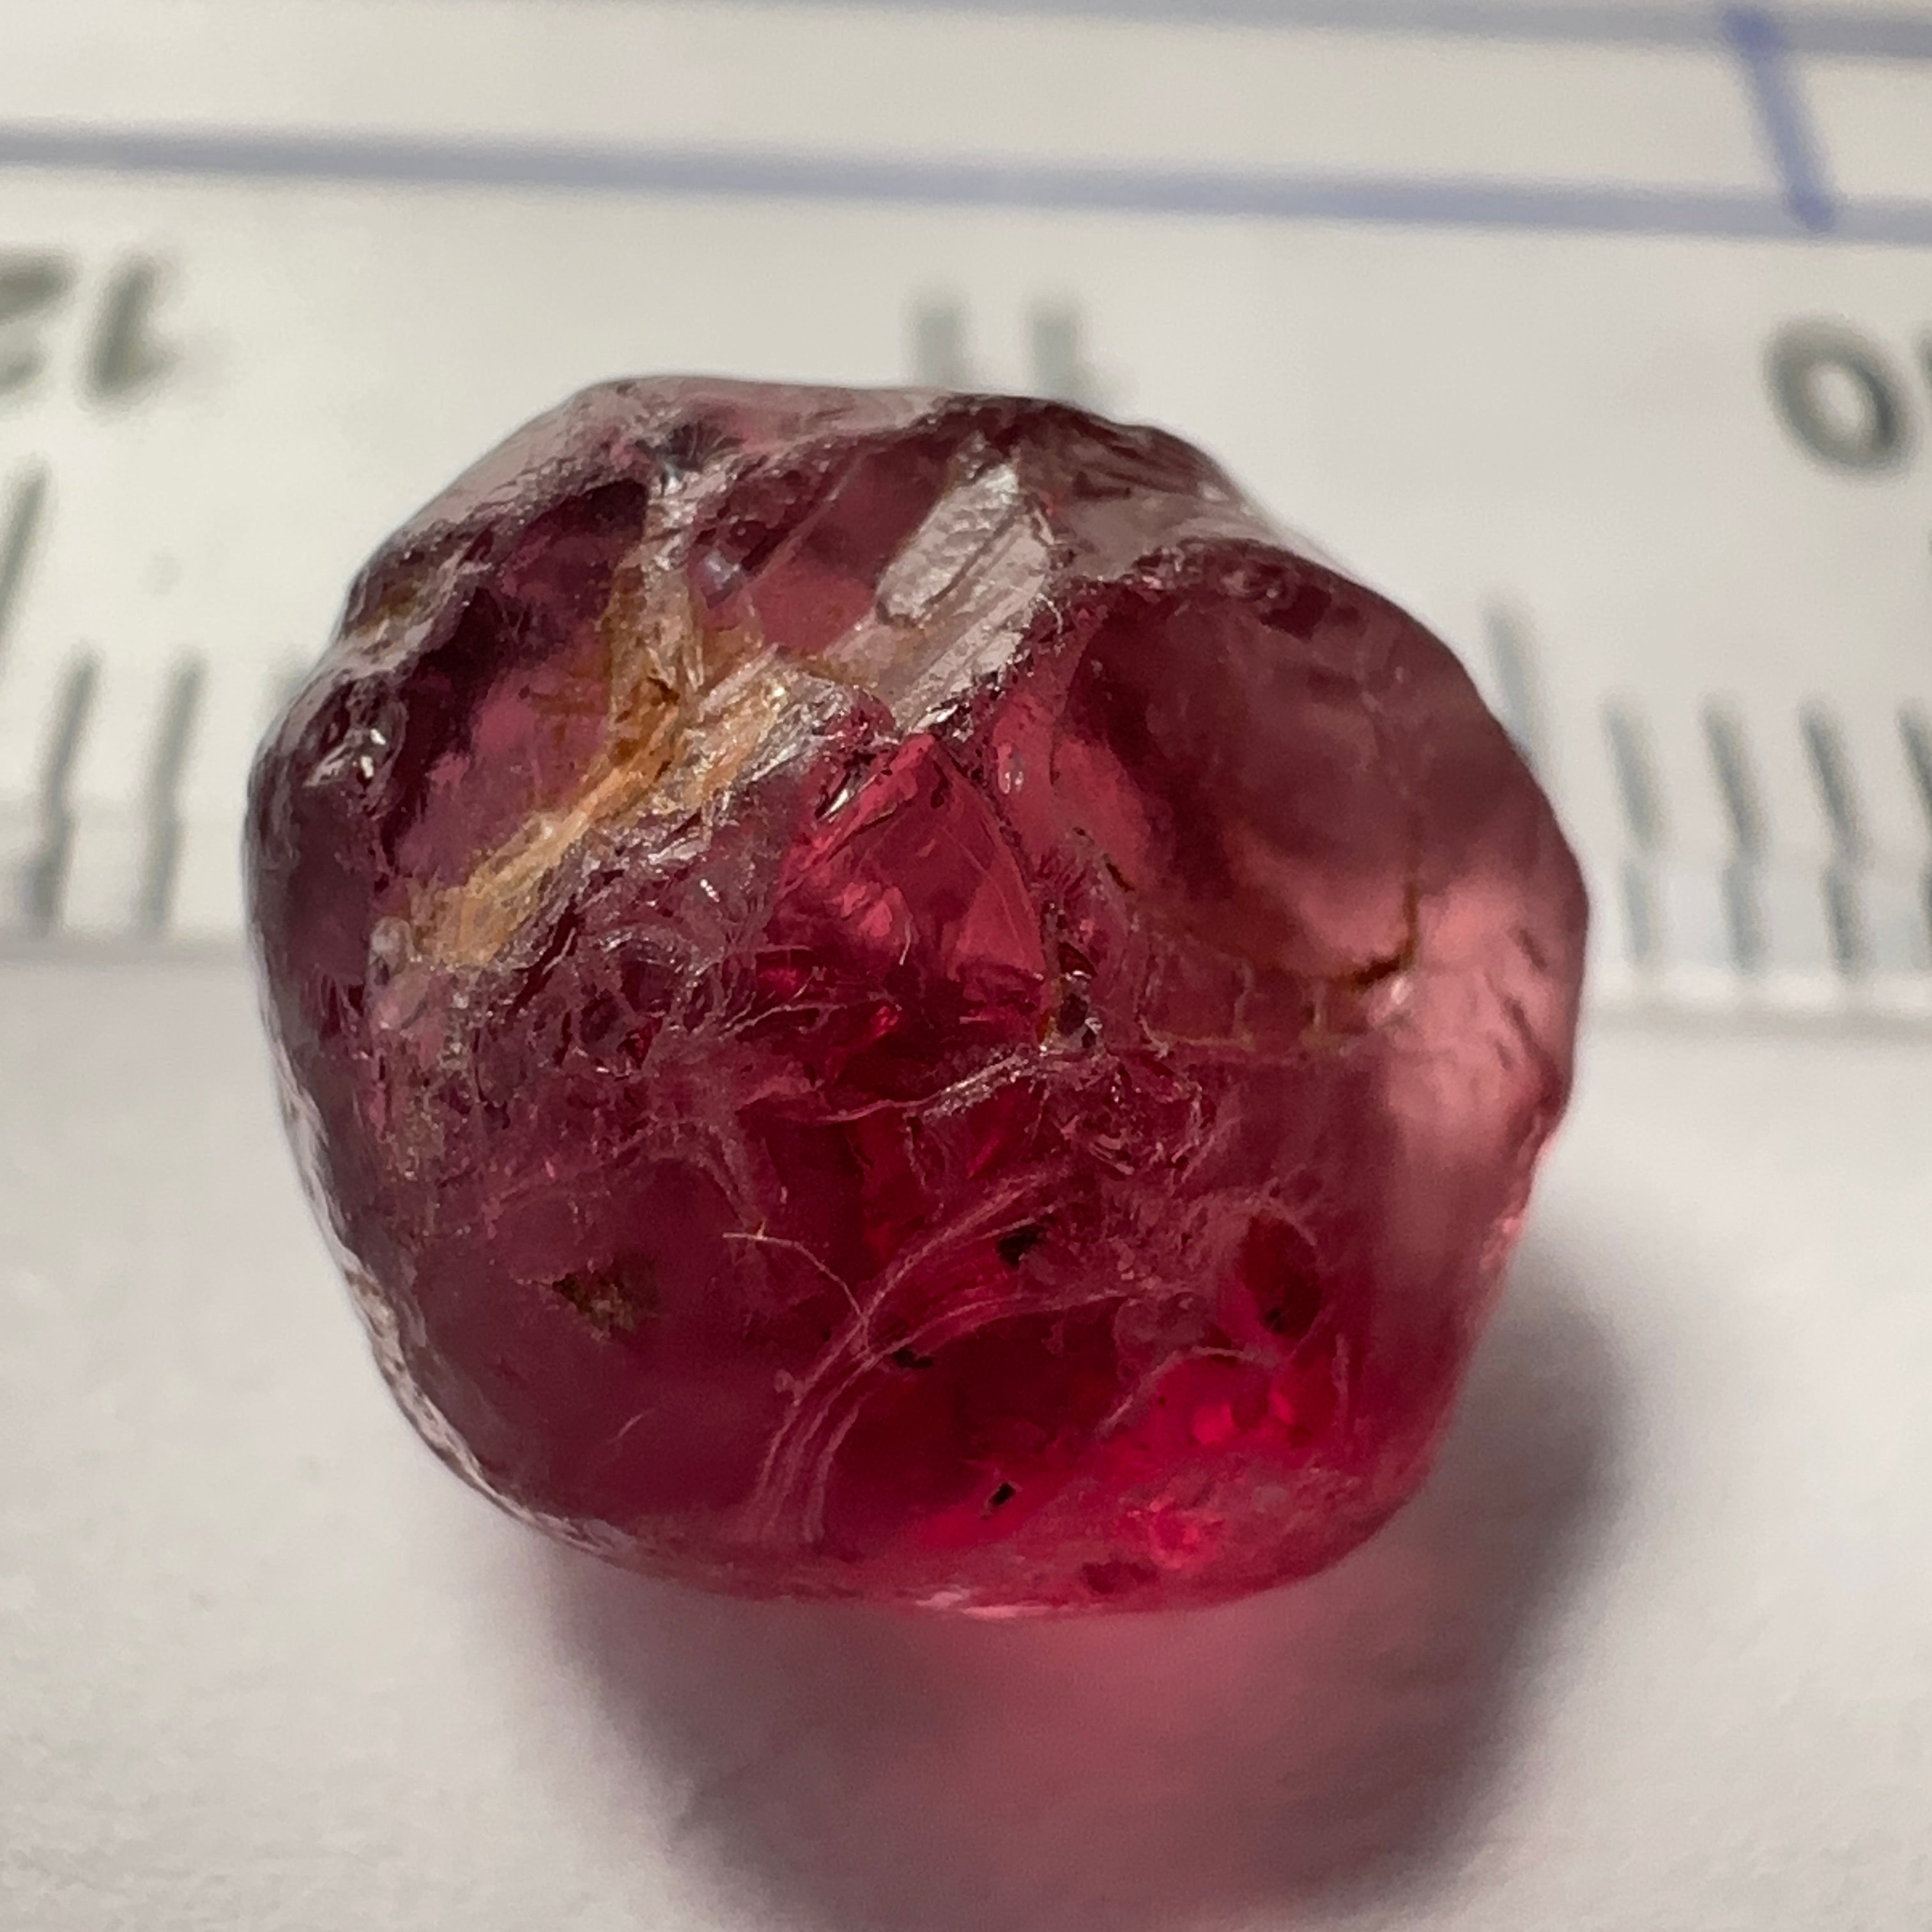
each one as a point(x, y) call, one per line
point(1601, 337)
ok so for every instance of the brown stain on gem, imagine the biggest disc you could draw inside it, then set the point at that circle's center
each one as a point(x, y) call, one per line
point(689, 705)
point(616, 1301)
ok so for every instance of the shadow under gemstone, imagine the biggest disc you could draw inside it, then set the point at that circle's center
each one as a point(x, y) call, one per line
point(868, 1772)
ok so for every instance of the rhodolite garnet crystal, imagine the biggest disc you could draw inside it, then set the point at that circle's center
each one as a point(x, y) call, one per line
point(887, 995)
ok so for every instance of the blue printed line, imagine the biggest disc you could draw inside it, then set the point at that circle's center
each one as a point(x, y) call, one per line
point(1559, 22)
point(1901, 36)
point(262, 155)
point(1893, 224)
point(1847, 31)
point(1758, 40)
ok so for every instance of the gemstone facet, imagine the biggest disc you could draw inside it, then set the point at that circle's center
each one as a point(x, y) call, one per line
point(887, 995)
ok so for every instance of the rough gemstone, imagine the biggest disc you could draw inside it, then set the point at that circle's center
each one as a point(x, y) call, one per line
point(888, 994)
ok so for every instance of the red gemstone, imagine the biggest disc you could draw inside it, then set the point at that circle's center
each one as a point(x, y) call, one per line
point(885, 995)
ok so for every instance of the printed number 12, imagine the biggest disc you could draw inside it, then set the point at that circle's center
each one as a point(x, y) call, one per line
point(121, 355)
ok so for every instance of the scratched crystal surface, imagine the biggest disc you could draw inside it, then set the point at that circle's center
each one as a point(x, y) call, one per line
point(884, 994)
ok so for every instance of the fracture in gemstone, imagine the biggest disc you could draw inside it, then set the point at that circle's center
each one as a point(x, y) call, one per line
point(889, 995)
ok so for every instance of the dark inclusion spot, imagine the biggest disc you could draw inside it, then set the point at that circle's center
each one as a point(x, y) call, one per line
point(1294, 1314)
point(1299, 613)
point(1005, 1493)
point(1074, 1015)
point(1013, 1248)
point(910, 1357)
point(1279, 1263)
point(1116, 1577)
point(615, 1300)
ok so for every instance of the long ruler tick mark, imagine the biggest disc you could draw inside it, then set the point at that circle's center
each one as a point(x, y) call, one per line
point(172, 743)
point(25, 507)
point(47, 877)
point(1638, 794)
point(1831, 773)
point(1743, 808)
point(1517, 685)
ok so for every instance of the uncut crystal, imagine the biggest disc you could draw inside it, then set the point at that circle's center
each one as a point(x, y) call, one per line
point(886, 993)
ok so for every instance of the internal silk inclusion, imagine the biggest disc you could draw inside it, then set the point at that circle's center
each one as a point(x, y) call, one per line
point(889, 995)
